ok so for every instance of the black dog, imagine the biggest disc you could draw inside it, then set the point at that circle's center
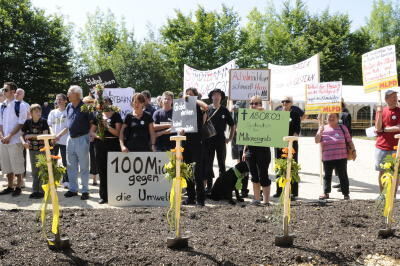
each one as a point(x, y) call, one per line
point(225, 184)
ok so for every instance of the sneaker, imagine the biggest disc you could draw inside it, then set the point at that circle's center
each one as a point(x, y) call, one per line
point(36, 195)
point(189, 202)
point(17, 192)
point(276, 195)
point(6, 191)
point(102, 201)
point(266, 204)
point(70, 194)
point(346, 197)
point(255, 203)
point(336, 186)
point(85, 196)
point(324, 196)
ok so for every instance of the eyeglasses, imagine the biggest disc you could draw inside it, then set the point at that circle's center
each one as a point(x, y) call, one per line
point(254, 104)
point(286, 101)
point(5, 90)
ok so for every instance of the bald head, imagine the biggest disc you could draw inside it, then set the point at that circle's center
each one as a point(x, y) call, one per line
point(19, 94)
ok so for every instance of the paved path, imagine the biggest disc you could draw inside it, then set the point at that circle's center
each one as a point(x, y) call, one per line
point(363, 179)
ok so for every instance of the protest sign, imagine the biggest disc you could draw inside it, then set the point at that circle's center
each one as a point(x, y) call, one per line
point(379, 69)
point(106, 78)
point(121, 97)
point(262, 128)
point(325, 98)
point(246, 83)
point(184, 115)
point(137, 179)
point(295, 76)
point(206, 81)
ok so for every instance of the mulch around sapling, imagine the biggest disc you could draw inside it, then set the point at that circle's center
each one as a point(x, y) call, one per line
point(342, 232)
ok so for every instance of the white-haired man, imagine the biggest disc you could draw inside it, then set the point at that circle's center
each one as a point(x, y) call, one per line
point(78, 125)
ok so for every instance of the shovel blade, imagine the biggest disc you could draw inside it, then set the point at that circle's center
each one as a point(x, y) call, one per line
point(177, 242)
point(385, 233)
point(284, 241)
point(62, 243)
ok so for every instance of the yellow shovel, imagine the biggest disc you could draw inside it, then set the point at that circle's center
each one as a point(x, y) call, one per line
point(178, 241)
point(287, 240)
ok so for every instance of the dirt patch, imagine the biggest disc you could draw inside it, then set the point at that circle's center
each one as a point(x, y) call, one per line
point(342, 232)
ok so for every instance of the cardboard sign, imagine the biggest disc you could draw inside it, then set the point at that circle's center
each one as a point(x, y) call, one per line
point(324, 98)
point(379, 69)
point(137, 179)
point(121, 97)
point(184, 115)
point(295, 76)
point(246, 83)
point(106, 78)
point(206, 81)
point(262, 128)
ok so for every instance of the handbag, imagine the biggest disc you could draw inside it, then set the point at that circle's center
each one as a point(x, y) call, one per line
point(350, 151)
point(208, 130)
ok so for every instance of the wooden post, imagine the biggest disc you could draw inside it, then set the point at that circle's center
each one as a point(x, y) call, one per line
point(286, 201)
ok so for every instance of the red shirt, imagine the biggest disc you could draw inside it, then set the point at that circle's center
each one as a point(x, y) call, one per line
point(385, 140)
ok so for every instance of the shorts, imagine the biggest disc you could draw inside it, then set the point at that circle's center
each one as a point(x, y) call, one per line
point(379, 156)
point(12, 158)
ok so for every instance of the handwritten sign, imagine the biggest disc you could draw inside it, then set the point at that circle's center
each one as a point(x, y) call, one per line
point(184, 115)
point(324, 98)
point(206, 81)
point(246, 83)
point(106, 78)
point(379, 69)
point(262, 128)
point(295, 76)
point(137, 179)
point(121, 97)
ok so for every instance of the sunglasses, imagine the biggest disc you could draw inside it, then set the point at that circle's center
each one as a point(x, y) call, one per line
point(254, 104)
point(286, 101)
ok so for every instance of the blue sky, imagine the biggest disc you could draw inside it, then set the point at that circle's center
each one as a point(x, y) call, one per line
point(140, 14)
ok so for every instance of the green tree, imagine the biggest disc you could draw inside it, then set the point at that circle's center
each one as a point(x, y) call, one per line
point(35, 50)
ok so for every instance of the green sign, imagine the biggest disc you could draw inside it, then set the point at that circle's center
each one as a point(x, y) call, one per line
point(262, 128)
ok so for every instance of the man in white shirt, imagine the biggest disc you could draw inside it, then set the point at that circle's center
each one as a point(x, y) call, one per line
point(12, 119)
point(57, 121)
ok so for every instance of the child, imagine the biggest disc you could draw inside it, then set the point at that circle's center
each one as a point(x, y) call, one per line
point(31, 129)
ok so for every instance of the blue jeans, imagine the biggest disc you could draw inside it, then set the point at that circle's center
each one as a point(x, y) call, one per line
point(78, 158)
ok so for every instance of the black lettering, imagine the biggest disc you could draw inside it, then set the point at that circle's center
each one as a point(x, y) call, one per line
point(152, 163)
point(124, 165)
point(115, 161)
point(142, 197)
point(135, 169)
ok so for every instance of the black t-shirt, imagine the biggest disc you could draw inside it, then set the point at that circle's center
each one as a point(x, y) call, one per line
point(114, 119)
point(345, 118)
point(163, 142)
point(220, 119)
point(295, 119)
point(31, 127)
point(137, 132)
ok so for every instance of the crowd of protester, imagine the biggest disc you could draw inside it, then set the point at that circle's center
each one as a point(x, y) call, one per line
point(148, 129)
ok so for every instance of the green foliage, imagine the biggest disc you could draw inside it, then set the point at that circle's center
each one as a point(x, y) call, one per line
point(58, 170)
point(170, 168)
point(35, 50)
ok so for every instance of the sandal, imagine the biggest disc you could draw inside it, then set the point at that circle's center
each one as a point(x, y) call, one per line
point(324, 196)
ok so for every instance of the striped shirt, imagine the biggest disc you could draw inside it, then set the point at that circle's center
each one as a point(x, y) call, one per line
point(333, 143)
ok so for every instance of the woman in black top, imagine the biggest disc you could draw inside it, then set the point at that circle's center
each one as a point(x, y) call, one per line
point(137, 132)
point(112, 122)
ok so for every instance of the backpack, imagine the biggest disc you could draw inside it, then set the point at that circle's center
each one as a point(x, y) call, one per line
point(17, 107)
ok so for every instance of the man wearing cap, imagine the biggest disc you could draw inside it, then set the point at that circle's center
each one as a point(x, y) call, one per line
point(220, 117)
point(387, 124)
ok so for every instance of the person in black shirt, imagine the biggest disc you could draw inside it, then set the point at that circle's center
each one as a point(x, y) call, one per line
point(296, 115)
point(163, 122)
point(192, 153)
point(112, 122)
point(220, 117)
point(148, 106)
point(31, 129)
point(137, 132)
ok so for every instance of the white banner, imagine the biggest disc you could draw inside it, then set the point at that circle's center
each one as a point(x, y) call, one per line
point(206, 81)
point(294, 76)
point(379, 69)
point(137, 179)
point(121, 97)
point(245, 83)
